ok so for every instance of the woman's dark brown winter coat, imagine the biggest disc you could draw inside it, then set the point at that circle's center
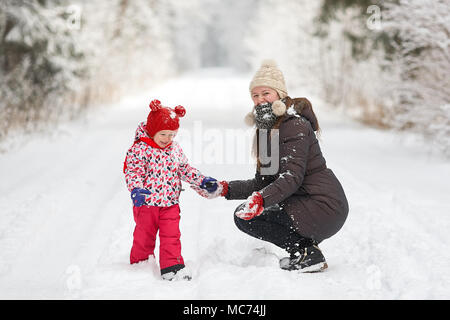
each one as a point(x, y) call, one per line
point(304, 187)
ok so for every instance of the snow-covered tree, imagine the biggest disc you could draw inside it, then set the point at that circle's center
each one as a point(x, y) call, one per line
point(283, 30)
point(422, 62)
point(127, 46)
point(40, 62)
point(58, 56)
point(209, 33)
point(387, 63)
point(224, 44)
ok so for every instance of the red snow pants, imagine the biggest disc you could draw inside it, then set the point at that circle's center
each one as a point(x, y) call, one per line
point(150, 219)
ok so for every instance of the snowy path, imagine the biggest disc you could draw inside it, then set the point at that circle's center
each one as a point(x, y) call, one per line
point(66, 223)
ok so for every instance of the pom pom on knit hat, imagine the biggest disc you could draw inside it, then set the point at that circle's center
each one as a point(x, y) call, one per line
point(180, 111)
point(163, 118)
point(278, 108)
point(155, 105)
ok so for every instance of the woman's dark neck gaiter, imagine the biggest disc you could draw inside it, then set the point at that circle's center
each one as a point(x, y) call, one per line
point(264, 116)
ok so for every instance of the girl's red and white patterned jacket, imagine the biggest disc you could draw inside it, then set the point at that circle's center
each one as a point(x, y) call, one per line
point(159, 170)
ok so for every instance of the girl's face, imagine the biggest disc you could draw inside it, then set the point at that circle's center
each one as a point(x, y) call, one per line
point(164, 137)
point(264, 94)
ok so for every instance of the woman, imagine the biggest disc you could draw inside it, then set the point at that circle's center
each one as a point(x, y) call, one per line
point(302, 203)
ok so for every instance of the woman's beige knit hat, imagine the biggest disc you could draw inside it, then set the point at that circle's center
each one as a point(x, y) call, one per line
point(270, 76)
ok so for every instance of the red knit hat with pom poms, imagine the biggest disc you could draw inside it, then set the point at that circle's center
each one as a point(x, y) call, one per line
point(163, 118)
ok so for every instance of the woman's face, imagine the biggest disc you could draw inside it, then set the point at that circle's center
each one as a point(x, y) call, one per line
point(164, 137)
point(264, 94)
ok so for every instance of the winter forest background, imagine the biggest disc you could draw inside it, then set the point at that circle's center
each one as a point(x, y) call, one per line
point(76, 78)
point(385, 63)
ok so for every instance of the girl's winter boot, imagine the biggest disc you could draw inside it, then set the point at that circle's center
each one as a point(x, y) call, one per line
point(177, 274)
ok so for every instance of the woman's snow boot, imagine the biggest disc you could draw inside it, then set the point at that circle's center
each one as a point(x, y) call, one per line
point(309, 259)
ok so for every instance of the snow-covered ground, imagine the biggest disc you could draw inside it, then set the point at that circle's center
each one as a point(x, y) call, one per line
point(66, 220)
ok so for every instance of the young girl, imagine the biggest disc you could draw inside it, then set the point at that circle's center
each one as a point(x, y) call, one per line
point(154, 167)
